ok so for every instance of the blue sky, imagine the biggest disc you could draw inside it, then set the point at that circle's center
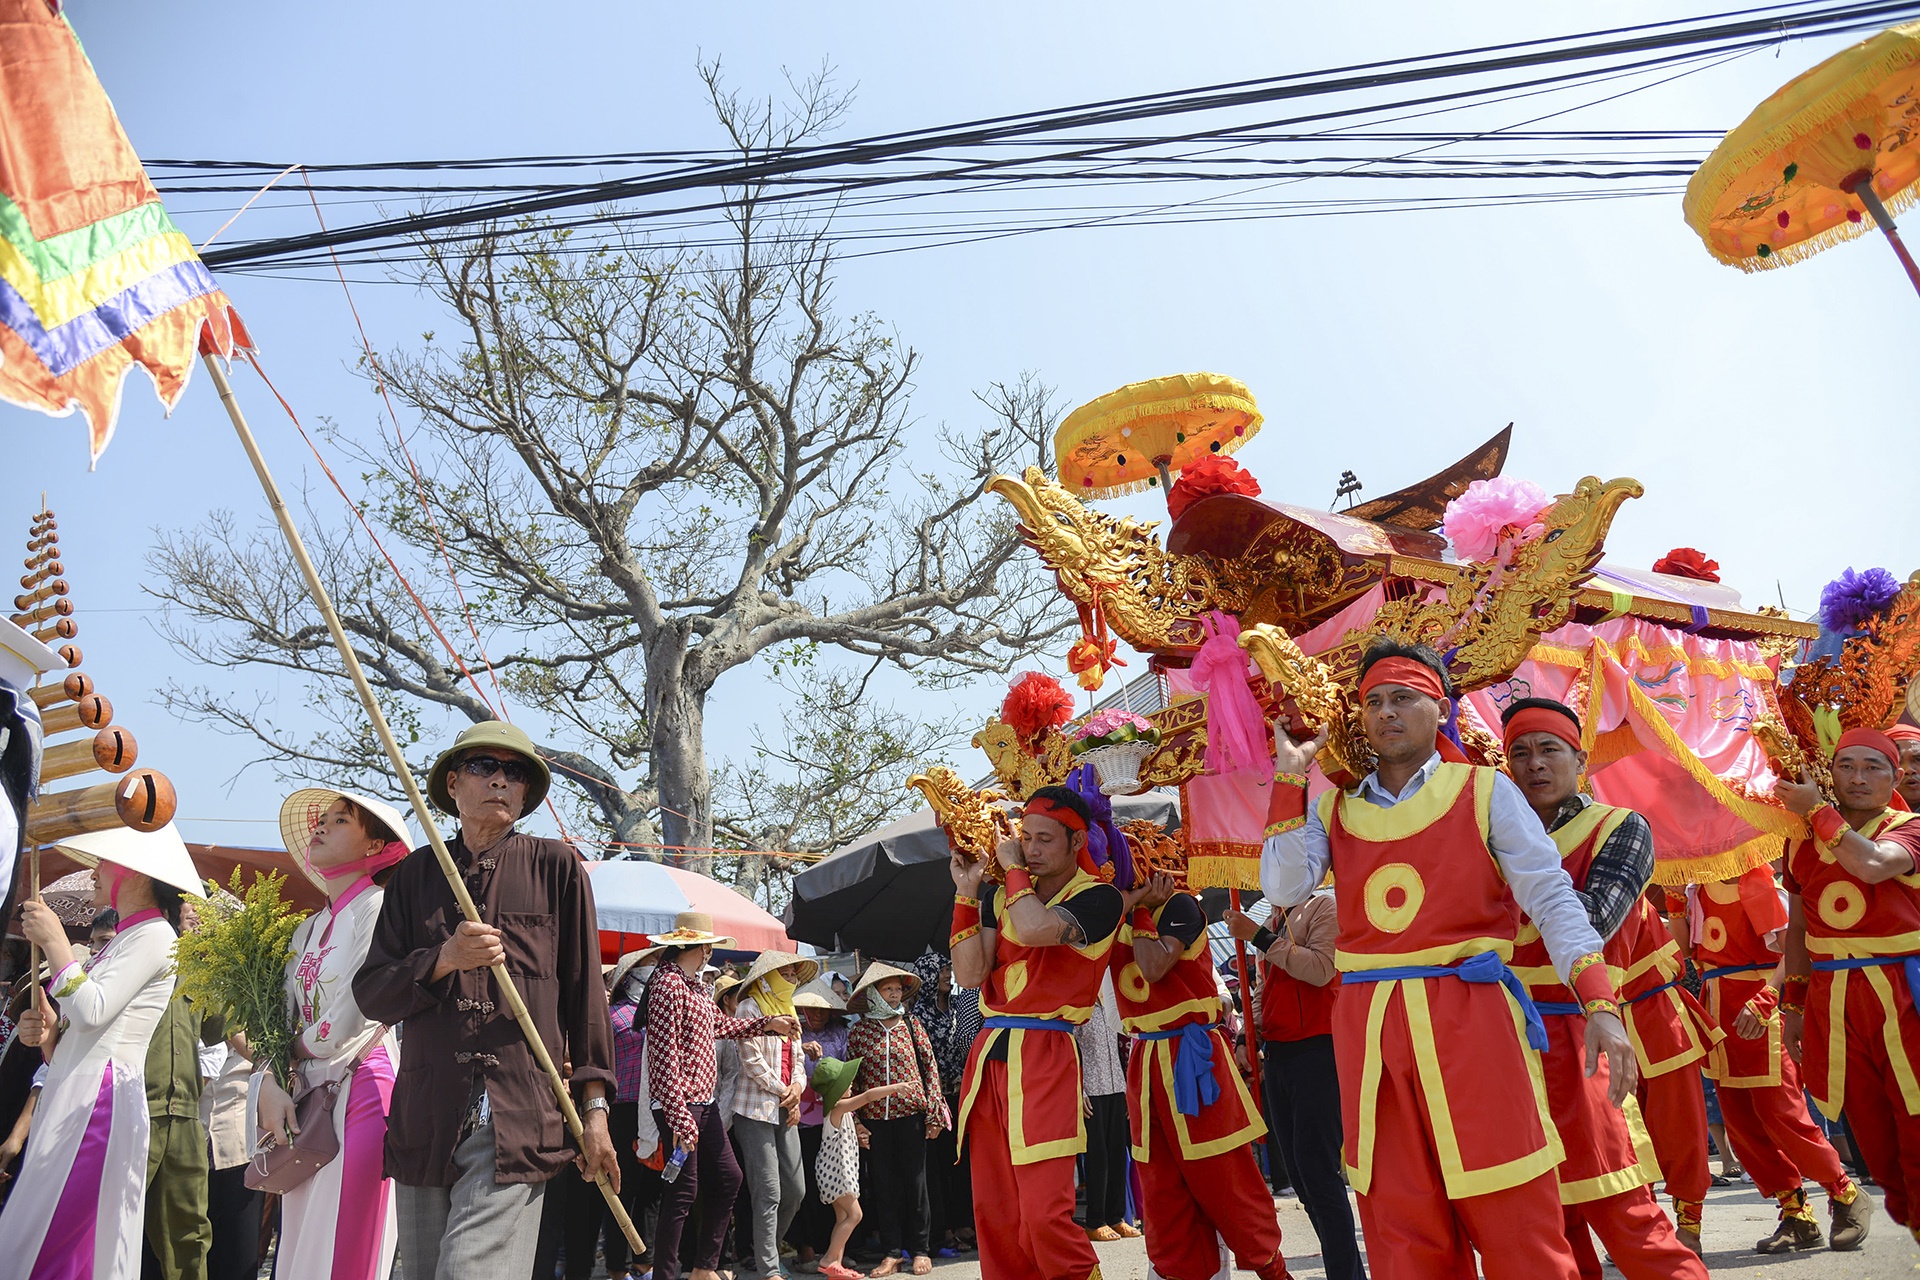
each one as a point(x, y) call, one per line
point(1760, 411)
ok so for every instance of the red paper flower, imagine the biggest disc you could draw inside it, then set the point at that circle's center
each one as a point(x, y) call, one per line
point(1685, 562)
point(1215, 473)
point(1035, 704)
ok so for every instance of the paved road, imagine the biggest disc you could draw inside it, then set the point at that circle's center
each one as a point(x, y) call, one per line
point(1735, 1218)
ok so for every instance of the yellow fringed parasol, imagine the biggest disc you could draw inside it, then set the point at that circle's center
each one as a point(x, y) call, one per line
point(1135, 437)
point(1835, 146)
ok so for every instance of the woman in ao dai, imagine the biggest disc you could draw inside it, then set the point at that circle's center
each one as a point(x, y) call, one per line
point(77, 1207)
point(339, 1224)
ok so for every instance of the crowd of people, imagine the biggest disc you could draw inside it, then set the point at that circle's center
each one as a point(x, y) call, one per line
point(1494, 1033)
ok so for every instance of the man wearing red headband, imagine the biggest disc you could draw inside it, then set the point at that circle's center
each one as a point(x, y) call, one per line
point(1036, 948)
point(1907, 738)
point(1450, 1142)
point(1608, 852)
point(1194, 1123)
point(1853, 963)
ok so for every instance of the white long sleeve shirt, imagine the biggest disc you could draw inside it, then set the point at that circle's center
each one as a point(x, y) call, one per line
point(1294, 863)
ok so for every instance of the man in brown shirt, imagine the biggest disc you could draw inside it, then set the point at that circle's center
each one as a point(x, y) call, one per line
point(474, 1131)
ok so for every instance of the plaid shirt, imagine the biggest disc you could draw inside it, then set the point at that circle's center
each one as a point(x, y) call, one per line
point(627, 1043)
point(895, 1052)
point(1621, 870)
point(683, 1024)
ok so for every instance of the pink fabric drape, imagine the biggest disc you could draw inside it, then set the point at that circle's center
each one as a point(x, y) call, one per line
point(1668, 721)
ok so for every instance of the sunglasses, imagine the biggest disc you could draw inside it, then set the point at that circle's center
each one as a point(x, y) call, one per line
point(486, 766)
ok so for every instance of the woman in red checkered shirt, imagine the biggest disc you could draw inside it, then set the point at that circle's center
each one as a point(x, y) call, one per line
point(683, 1024)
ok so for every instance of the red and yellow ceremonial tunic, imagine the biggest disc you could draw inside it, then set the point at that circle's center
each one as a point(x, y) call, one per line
point(1420, 886)
point(1186, 996)
point(1735, 919)
point(1057, 983)
point(1607, 1151)
point(1668, 1027)
point(1846, 919)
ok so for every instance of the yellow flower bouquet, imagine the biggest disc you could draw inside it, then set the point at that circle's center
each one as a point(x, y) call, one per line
point(234, 960)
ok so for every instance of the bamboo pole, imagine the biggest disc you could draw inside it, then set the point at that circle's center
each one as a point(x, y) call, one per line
point(1247, 1015)
point(508, 992)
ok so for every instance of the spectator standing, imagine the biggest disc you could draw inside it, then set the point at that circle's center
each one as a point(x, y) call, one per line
point(683, 1025)
point(233, 1208)
point(1104, 1081)
point(475, 1134)
point(823, 1034)
point(773, 1074)
point(639, 1185)
point(340, 1223)
point(177, 1233)
point(76, 1207)
point(894, 1049)
point(952, 1028)
point(1299, 1078)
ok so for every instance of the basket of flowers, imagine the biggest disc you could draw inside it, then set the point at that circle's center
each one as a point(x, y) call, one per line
point(1116, 743)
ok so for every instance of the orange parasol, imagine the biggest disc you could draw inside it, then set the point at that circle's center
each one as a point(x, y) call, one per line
point(1136, 437)
point(1832, 148)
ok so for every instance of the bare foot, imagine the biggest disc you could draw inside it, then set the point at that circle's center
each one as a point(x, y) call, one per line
point(922, 1264)
point(887, 1268)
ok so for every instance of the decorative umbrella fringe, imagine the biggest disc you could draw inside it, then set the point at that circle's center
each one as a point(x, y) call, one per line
point(1675, 872)
point(1121, 416)
point(1145, 483)
point(1897, 204)
point(1721, 170)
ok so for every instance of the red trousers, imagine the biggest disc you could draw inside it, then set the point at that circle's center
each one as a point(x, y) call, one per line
point(1415, 1232)
point(1027, 1230)
point(1674, 1106)
point(1774, 1137)
point(1637, 1236)
point(1887, 1134)
point(1187, 1202)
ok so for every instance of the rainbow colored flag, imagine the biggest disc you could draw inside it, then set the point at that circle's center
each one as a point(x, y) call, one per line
point(94, 277)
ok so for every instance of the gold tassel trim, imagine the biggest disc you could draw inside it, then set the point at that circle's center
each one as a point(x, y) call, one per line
point(1223, 871)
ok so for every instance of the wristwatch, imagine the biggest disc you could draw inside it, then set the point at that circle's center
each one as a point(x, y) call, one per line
point(596, 1104)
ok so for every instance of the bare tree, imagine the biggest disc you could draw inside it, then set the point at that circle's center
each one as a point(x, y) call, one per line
point(649, 465)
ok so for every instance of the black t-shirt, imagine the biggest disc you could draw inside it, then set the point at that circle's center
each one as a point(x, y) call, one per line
point(1182, 918)
point(1097, 908)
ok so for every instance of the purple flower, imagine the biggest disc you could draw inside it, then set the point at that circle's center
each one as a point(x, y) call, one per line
point(1852, 598)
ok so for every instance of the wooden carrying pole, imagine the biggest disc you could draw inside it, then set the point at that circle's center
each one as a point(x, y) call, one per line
point(1248, 1015)
point(508, 992)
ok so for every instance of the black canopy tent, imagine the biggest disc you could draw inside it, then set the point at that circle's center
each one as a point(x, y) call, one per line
point(890, 895)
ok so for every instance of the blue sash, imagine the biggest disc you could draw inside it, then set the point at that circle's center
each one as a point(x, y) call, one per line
point(1912, 964)
point(997, 1023)
point(1653, 991)
point(1193, 1084)
point(1557, 1008)
point(1487, 967)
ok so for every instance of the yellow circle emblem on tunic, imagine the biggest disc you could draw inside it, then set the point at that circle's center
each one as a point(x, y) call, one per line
point(1133, 983)
point(1016, 979)
point(1393, 895)
point(1714, 936)
point(1842, 905)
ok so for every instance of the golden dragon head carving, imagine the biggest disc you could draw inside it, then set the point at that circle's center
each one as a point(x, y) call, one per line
point(1493, 613)
point(1144, 590)
point(975, 821)
point(1864, 686)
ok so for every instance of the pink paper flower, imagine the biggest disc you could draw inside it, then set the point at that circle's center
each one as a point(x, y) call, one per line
point(1492, 513)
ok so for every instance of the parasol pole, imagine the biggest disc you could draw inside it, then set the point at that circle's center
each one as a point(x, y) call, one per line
point(1166, 476)
point(1863, 192)
point(509, 993)
point(1246, 1001)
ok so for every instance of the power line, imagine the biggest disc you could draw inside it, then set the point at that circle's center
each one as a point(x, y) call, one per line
point(1724, 33)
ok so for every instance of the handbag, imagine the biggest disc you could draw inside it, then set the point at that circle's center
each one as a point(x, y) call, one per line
point(278, 1167)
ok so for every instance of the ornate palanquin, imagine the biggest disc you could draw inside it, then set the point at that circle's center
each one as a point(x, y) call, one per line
point(1311, 588)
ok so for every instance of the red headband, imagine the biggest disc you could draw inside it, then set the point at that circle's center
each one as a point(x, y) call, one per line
point(1872, 740)
point(1417, 676)
point(1560, 724)
point(1042, 807)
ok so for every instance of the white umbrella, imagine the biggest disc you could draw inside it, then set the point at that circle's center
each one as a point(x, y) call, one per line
point(160, 854)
